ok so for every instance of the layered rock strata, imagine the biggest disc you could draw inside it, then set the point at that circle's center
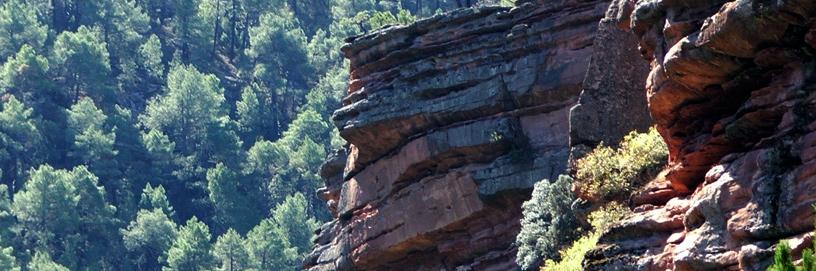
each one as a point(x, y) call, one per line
point(732, 92)
point(451, 121)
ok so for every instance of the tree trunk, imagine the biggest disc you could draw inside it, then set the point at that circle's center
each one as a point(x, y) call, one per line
point(75, 17)
point(233, 30)
point(58, 15)
point(245, 33)
point(76, 88)
point(217, 28)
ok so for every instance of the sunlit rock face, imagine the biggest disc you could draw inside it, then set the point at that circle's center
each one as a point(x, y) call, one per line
point(732, 91)
point(451, 121)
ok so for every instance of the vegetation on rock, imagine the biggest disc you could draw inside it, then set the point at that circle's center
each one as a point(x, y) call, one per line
point(572, 257)
point(548, 223)
point(783, 260)
point(608, 173)
point(551, 232)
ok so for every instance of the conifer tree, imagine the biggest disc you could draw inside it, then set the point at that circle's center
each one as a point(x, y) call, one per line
point(20, 26)
point(191, 250)
point(230, 252)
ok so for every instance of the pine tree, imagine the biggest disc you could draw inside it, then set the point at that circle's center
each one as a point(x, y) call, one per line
point(193, 104)
point(233, 125)
point(93, 142)
point(161, 155)
point(132, 162)
point(236, 206)
point(193, 116)
point(189, 29)
point(230, 251)
point(45, 206)
point(214, 15)
point(25, 75)
point(125, 24)
point(98, 239)
point(295, 222)
point(19, 25)
point(42, 262)
point(82, 62)
point(264, 163)
point(151, 57)
point(7, 260)
point(7, 221)
point(148, 237)
point(269, 248)
point(278, 48)
point(191, 251)
point(808, 263)
point(782, 258)
point(20, 142)
point(251, 120)
point(156, 198)
point(68, 206)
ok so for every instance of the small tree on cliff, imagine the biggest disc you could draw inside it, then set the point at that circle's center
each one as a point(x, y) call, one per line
point(548, 223)
point(783, 261)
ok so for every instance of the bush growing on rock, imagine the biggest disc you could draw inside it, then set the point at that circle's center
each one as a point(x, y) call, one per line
point(607, 173)
point(601, 220)
point(783, 261)
point(548, 223)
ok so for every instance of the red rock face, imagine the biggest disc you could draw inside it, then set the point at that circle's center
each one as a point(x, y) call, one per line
point(731, 90)
point(451, 121)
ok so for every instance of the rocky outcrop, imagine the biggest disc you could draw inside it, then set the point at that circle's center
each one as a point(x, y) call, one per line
point(732, 91)
point(612, 102)
point(451, 121)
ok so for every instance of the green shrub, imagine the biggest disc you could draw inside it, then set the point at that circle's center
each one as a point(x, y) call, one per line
point(808, 260)
point(607, 173)
point(782, 258)
point(548, 223)
point(572, 257)
point(608, 215)
point(373, 20)
point(784, 262)
point(601, 220)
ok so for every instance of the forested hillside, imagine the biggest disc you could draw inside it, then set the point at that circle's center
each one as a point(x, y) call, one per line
point(172, 134)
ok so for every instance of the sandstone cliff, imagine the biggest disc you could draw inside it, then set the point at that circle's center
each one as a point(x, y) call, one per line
point(451, 121)
point(731, 90)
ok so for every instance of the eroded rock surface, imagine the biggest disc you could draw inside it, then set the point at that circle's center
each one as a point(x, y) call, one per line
point(732, 92)
point(612, 103)
point(451, 121)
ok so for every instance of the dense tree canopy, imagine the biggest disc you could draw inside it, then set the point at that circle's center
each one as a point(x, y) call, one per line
point(191, 250)
point(20, 26)
point(230, 252)
point(172, 134)
point(19, 138)
point(148, 237)
point(7, 260)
